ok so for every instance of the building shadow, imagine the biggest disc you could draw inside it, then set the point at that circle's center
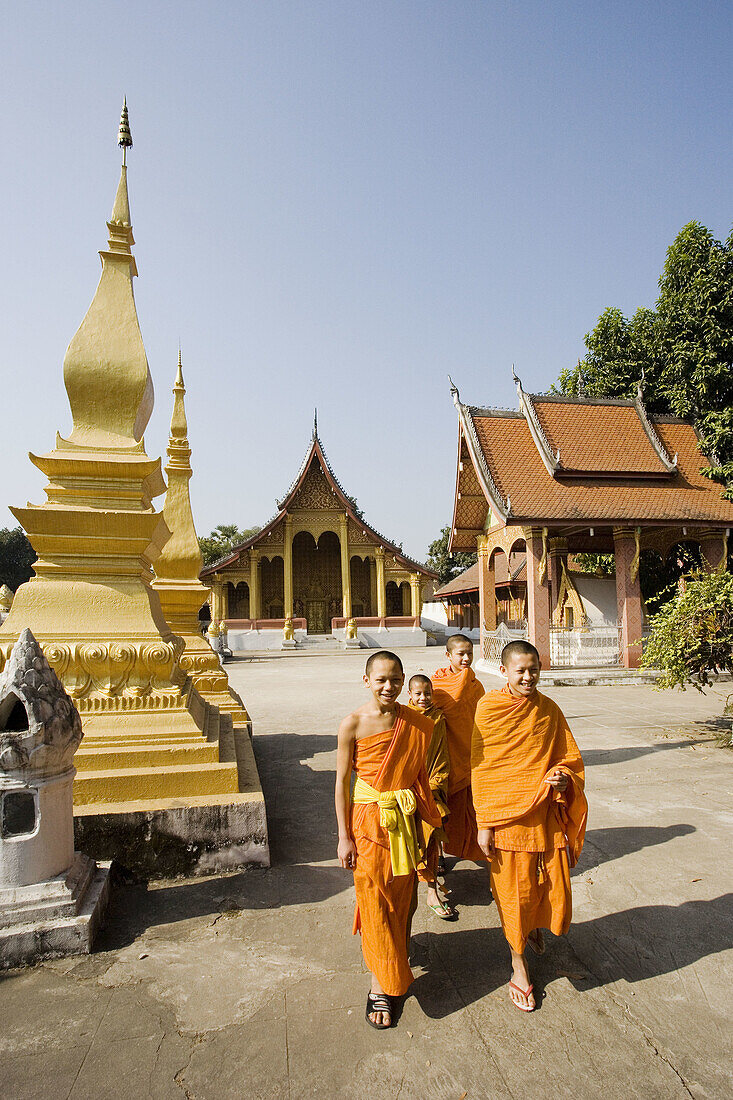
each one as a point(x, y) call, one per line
point(462, 966)
point(594, 757)
point(603, 845)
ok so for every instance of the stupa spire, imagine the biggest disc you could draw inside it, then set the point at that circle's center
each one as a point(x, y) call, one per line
point(180, 559)
point(105, 368)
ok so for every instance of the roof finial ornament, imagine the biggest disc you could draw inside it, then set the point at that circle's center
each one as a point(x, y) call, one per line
point(581, 380)
point(454, 392)
point(124, 137)
point(517, 381)
point(315, 423)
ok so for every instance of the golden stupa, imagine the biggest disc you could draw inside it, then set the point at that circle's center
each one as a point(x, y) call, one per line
point(158, 782)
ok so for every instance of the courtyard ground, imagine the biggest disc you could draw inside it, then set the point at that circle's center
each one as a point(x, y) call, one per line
point(250, 985)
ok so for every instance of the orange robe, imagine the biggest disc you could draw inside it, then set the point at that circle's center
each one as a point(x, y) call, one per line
point(437, 764)
point(385, 903)
point(457, 693)
point(538, 831)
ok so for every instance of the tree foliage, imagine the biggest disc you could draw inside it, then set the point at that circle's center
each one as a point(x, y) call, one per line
point(681, 351)
point(691, 636)
point(222, 541)
point(16, 557)
point(447, 565)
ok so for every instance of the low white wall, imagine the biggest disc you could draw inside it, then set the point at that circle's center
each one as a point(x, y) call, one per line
point(241, 641)
point(376, 637)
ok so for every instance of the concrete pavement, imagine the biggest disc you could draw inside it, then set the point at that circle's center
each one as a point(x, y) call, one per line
point(251, 985)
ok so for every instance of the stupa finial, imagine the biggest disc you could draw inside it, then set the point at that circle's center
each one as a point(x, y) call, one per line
point(124, 137)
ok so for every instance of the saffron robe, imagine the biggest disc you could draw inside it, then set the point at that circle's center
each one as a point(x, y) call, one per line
point(538, 831)
point(389, 761)
point(456, 694)
point(437, 764)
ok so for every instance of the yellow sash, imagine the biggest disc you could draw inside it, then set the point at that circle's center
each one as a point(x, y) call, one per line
point(397, 816)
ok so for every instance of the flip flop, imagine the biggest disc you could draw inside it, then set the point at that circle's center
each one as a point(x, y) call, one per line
point(379, 1002)
point(443, 911)
point(525, 993)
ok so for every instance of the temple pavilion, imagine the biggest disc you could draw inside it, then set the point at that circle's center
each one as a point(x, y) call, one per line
point(319, 564)
point(561, 476)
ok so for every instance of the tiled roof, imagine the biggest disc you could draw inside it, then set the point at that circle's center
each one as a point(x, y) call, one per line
point(598, 436)
point(591, 432)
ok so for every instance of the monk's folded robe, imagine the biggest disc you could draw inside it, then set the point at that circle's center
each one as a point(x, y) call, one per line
point(538, 831)
point(456, 694)
point(390, 842)
point(438, 768)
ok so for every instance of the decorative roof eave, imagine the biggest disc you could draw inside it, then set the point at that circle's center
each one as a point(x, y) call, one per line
point(489, 487)
point(670, 464)
point(540, 440)
point(316, 448)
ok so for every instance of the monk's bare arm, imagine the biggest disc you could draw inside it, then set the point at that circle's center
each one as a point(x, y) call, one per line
point(344, 763)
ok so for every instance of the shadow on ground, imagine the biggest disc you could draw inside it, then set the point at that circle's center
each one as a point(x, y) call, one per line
point(462, 966)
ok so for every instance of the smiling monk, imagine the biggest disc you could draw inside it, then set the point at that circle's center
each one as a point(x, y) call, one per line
point(456, 691)
point(527, 778)
point(380, 827)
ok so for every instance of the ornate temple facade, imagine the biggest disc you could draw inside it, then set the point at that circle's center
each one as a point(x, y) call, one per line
point(319, 564)
point(561, 476)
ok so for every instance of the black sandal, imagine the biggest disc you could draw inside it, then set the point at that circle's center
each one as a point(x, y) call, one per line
point(378, 1002)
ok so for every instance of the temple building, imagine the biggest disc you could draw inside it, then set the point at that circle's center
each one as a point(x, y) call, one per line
point(561, 476)
point(319, 564)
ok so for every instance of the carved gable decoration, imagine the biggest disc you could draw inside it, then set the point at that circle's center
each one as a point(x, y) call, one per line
point(315, 493)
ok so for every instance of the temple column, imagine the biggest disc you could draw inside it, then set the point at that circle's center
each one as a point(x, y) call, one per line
point(288, 568)
point(486, 588)
point(217, 602)
point(558, 551)
point(415, 595)
point(224, 605)
point(254, 584)
point(345, 565)
point(628, 597)
point(538, 594)
point(714, 550)
point(381, 587)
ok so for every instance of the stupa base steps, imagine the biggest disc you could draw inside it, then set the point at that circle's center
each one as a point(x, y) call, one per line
point(54, 918)
point(160, 816)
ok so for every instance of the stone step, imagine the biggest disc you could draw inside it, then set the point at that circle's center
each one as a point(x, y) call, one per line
point(94, 758)
point(135, 784)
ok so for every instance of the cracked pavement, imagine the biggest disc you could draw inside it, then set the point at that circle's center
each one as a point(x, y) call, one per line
point(251, 985)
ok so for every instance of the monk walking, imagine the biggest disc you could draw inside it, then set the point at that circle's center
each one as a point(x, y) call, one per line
point(527, 779)
point(456, 691)
point(380, 827)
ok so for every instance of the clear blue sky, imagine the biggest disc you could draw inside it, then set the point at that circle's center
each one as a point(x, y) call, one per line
point(338, 204)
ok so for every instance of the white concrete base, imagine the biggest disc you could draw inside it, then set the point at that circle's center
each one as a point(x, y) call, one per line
point(242, 641)
point(383, 637)
point(58, 917)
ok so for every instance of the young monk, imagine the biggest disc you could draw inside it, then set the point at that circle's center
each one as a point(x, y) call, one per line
point(438, 767)
point(456, 691)
point(380, 835)
point(527, 779)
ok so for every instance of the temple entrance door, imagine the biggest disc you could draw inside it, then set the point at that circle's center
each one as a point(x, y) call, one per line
point(315, 614)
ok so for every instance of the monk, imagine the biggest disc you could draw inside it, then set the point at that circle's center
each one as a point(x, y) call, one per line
point(527, 779)
point(456, 691)
point(380, 828)
point(438, 767)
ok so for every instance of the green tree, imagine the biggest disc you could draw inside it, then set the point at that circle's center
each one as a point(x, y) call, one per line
point(681, 352)
point(691, 636)
point(16, 557)
point(445, 564)
point(223, 540)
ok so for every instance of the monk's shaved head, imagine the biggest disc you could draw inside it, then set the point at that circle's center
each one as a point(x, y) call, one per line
point(455, 640)
point(519, 648)
point(382, 655)
point(419, 680)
